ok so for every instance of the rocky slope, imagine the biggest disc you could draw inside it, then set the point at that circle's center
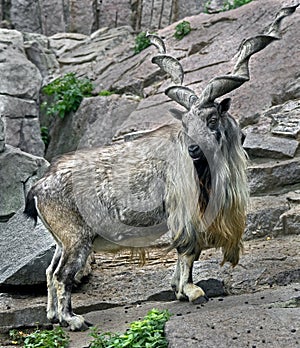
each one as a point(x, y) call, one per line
point(267, 107)
point(51, 16)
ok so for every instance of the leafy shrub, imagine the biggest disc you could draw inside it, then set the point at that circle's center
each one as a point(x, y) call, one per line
point(148, 333)
point(141, 42)
point(67, 93)
point(182, 29)
point(235, 4)
point(43, 339)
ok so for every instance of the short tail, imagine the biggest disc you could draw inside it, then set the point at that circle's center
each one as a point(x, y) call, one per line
point(30, 208)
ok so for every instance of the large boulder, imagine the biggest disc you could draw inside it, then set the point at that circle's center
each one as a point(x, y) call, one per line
point(18, 172)
point(22, 124)
point(25, 251)
point(261, 145)
point(94, 124)
point(37, 51)
point(273, 142)
point(19, 77)
point(264, 214)
point(19, 94)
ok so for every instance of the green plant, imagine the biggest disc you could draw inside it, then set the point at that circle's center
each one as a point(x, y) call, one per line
point(141, 42)
point(67, 93)
point(230, 5)
point(182, 29)
point(106, 93)
point(206, 6)
point(56, 338)
point(17, 336)
point(148, 333)
point(40, 338)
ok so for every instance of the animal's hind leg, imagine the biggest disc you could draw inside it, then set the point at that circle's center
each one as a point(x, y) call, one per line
point(176, 277)
point(185, 288)
point(52, 296)
point(71, 262)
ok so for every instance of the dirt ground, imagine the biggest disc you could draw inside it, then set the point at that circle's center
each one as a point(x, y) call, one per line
point(119, 291)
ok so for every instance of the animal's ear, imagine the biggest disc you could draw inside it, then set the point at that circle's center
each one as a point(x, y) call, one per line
point(224, 106)
point(178, 114)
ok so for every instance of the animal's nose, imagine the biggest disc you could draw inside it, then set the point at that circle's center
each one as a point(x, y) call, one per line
point(194, 151)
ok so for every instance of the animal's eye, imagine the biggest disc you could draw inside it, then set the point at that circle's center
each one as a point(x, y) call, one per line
point(213, 121)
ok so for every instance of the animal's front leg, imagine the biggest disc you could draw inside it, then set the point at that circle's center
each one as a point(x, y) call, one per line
point(186, 289)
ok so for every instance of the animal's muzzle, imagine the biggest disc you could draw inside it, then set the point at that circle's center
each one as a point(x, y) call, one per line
point(195, 152)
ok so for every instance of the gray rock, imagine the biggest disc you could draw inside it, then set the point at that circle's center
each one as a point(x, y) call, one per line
point(286, 119)
point(94, 124)
point(25, 253)
point(86, 16)
point(293, 197)
point(19, 77)
point(25, 15)
point(17, 108)
point(23, 126)
point(147, 119)
point(264, 216)
point(158, 14)
point(83, 16)
point(37, 51)
point(245, 121)
point(273, 176)
point(63, 42)
point(215, 6)
point(92, 55)
point(260, 145)
point(279, 120)
point(18, 171)
point(291, 220)
point(291, 90)
point(239, 321)
point(2, 133)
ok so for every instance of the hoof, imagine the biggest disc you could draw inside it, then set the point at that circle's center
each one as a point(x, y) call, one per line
point(77, 323)
point(193, 292)
point(84, 326)
point(63, 323)
point(51, 316)
point(201, 300)
point(181, 297)
point(88, 323)
point(54, 321)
